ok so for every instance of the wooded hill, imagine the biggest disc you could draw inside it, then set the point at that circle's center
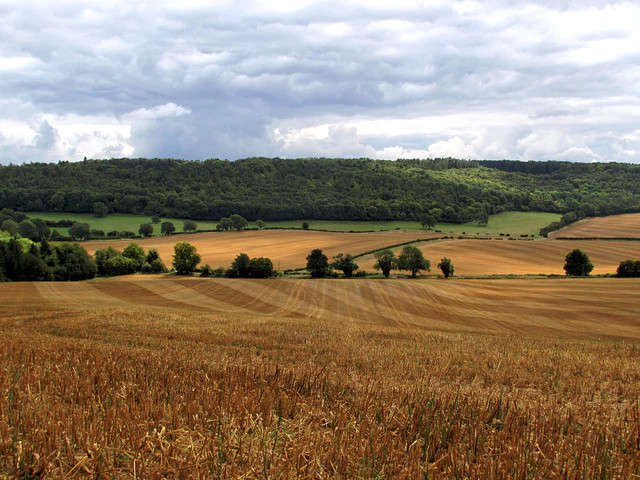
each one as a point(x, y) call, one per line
point(321, 188)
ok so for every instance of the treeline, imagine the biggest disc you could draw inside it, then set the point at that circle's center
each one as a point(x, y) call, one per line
point(275, 189)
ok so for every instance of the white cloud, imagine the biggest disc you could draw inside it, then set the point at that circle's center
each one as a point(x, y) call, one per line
point(197, 79)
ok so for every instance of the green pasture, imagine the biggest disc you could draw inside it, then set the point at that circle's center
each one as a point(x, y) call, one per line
point(513, 223)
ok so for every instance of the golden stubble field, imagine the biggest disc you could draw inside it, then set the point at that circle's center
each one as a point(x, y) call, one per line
point(520, 257)
point(165, 377)
point(285, 248)
point(614, 226)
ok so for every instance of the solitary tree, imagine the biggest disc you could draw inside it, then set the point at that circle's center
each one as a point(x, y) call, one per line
point(446, 266)
point(238, 221)
point(167, 228)
point(189, 226)
point(146, 230)
point(155, 219)
point(346, 263)
point(483, 218)
point(412, 259)
point(260, 224)
point(80, 231)
point(100, 209)
point(428, 221)
point(577, 263)
point(305, 225)
point(386, 261)
point(317, 263)
point(185, 258)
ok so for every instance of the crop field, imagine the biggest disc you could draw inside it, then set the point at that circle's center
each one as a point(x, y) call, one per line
point(519, 257)
point(285, 248)
point(165, 377)
point(614, 226)
point(515, 223)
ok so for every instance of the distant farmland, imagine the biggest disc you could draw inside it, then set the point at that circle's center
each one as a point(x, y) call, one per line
point(614, 226)
point(519, 257)
point(286, 248)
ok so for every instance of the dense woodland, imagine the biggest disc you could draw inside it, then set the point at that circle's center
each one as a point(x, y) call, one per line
point(320, 188)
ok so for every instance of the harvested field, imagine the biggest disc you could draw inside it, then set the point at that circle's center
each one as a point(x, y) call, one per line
point(285, 248)
point(519, 257)
point(153, 377)
point(614, 226)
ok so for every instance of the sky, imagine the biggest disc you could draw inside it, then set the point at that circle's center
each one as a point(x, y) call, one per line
point(502, 79)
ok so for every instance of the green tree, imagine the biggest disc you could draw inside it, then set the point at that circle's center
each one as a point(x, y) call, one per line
point(412, 259)
point(260, 224)
point(73, 263)
point(101, 256)
point(80, 231)
point(482, 218)
point(119, 265)
point(577, 263)
point(26, 229)
point(224, 224)
point(155, 219)
point(317, 263)
point(239, 266)
point(436, 213)
point(185, 258)
point(346, 263)
point(100, 210)
point(167, 228)
point(305, 225)
point(446, 266)
point(146, 230)
point(260, 267)
point(238, 221)
point(152, 255)
point(189, 226)
point(385, 261)
point(10, 226)
point(43, 229)
point(136, 253)
point(428, 221)
point(629, 268)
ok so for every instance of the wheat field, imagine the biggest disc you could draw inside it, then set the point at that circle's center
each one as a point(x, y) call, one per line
point(614, 226)
point(165, 377)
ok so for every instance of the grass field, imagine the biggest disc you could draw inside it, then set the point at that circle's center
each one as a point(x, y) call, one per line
point(285, 248)
point(519, 257)
point(143, 377)
point(614, 226)
point(515, 223)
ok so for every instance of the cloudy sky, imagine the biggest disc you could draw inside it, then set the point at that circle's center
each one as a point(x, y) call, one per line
point(381, 79)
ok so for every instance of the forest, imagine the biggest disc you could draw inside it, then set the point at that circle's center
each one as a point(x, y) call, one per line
point(274, 189)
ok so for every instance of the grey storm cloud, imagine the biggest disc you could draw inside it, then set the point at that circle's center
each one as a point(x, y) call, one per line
point(520, 80)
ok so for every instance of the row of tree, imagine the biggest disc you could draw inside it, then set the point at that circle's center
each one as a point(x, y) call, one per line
point(331, 189)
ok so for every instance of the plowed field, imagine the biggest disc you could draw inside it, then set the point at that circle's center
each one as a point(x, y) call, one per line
point(573, 307)
point(503, 257)
point(614, 226)
point(285, 248)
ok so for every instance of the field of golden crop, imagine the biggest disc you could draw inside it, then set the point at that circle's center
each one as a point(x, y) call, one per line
point(285, 248)
point(519, 257)
point(614, 226)
point(165, 377)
